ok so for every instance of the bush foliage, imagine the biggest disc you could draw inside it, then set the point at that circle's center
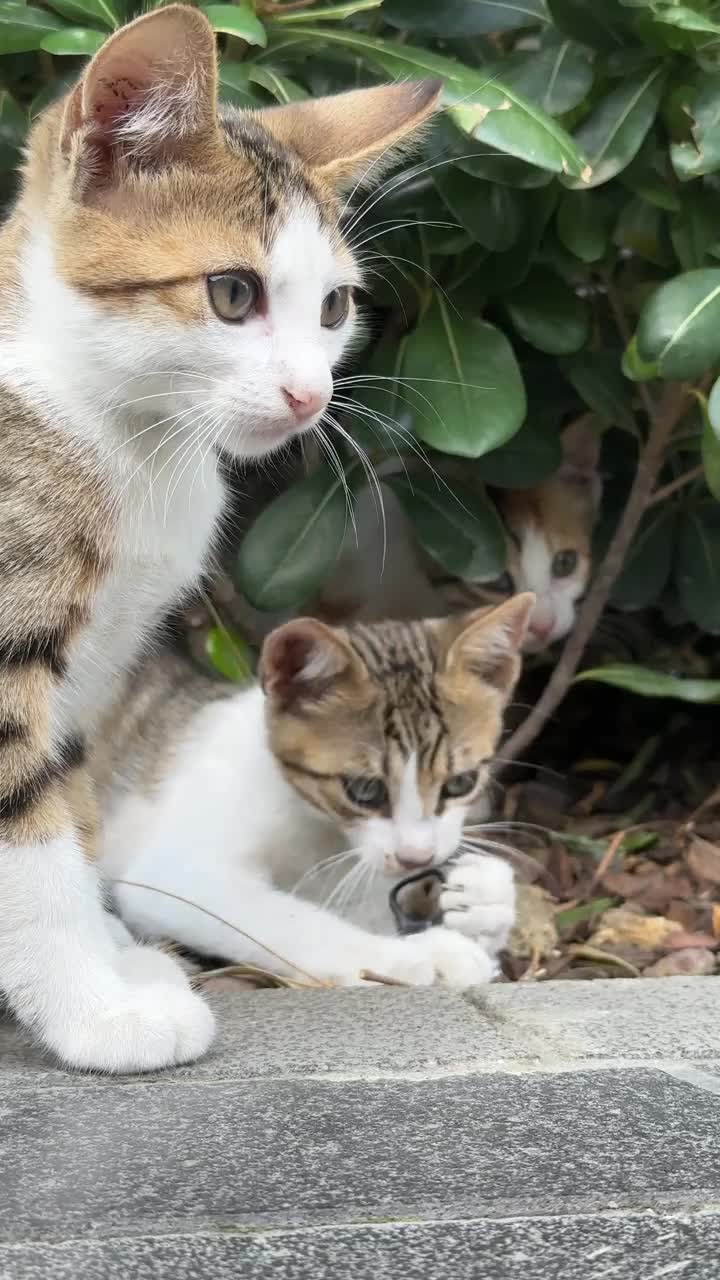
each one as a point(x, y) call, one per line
point(554, 251)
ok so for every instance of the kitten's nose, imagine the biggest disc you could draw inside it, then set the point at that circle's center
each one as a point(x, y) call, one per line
point(411, 859)
point(541, 629)
point(305, 402)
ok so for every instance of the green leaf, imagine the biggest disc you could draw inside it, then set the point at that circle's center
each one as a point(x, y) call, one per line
point(281, 88)
point(613, 133)
point(482, 108)
point(711, 458)
point(234, 85)
point(581, 225)
point(451, 18)
point(648, 561)
point(459, 529)
point(601, 25)
point(548, 314)
point(236, 20)
point(696, 228)
point(634, 367)
point(697, 565)
point(23, 28)
point(556, 76)
point(641, 228)
point(288, 552)
point(74, 41)
point(333, 13)
point(230, 654)
point(490, 213)
point(504, 271)
point(652, 684)
point(679, 327)
point(688, 19)
point(598, 380)
point(570, 917)
point(13, 129)
point(104, 12)
point(533, 454)
point(713, 408)
point(467, 371)
point(701, 152)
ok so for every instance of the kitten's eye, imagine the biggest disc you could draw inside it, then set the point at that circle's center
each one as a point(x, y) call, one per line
point(461, 784)
point(235, 295)
point(335, 308)
point(368, 793)
point(564, 563)
point(504, 585)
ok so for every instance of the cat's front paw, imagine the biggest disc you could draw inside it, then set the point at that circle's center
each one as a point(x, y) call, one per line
point(478, 899)
point(149, 1020)
point(439, 955)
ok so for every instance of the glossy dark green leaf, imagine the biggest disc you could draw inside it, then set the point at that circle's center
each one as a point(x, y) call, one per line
point(104, 13)
point(230, 655)
point(697, 565)
point(548, 314)
point(467, 371)
point(77, 42)
point(531, 456)
point(613, 133)
point(634, 367)
point(598, 380)
point(642, 230)
point(449, 18)
point(701, 152)
point(679, 328)
point(490, 213)
point(234, 86)
point(460, 529)
point(601, 25)
point(23, 27)
point(695, 230)
point(504, 271)
point(711, 459)
point(482, 108)
point(557, 75)
point(13, 129)
point(280, 87)
point(653, 684)
point(713, 409)
point(688, 19)
point(288, 552)
point(581, 225)
point(648, 562)
point(326, 13)
point(236, 20)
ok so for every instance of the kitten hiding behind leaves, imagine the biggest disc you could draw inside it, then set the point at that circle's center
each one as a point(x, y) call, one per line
point(548, 536)
point(353, 761)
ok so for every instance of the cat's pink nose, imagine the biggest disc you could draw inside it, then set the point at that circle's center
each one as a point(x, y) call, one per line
point(540, 630)
point(411, 859)
point(304, 401)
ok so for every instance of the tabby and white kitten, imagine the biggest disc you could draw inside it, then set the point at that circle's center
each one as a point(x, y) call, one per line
point(549, 531)
point(353, 761)
point(173, 279)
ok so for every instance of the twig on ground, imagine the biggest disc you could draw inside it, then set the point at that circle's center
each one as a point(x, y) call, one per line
point(368, 975)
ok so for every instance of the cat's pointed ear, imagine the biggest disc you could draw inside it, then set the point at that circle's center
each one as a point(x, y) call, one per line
point(581, 457)
point(304, 659)
point(149, 93)
point(488, 642)
point(351, 138)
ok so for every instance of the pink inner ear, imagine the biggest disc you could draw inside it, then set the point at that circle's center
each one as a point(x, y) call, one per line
point(287, 657)
point(111, 99)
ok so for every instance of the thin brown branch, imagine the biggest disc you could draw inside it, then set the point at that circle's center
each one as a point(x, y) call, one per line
point(666, 490)
point(664, 416)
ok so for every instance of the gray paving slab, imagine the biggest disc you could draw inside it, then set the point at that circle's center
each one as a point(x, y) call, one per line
point(386, 1031)
point(618, 1247)
point(141, 1158)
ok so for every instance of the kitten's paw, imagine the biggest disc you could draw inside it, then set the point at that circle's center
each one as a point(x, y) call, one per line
point(438, 955)
point(479, 899)
point(149, 1020)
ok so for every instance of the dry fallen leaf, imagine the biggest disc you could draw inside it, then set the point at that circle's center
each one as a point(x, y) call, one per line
point(716, 919)
point(622, 925)
point(681, 941)
point(703, 858)
point(534, 932)
point(692, 962)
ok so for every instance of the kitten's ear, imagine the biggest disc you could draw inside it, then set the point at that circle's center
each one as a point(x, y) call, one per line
point(304, 659)
point(581, 458)
point(352, 137)
point(489, 641)
point(149, 93)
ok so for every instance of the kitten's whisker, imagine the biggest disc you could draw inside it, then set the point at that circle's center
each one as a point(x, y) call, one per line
point(337, 465)
point(324, 867)
point(370, 473)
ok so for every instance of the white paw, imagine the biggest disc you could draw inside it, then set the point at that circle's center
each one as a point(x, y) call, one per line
point(148, 1019)
point(479, 899)
point(437, 955)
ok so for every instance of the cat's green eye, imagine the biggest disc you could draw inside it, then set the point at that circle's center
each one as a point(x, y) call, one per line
point(564, 563)
point(234, 295)
point(335, 308)
point(368, 793)
point(504, 585)
point(461, 784)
